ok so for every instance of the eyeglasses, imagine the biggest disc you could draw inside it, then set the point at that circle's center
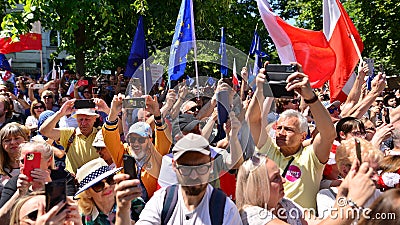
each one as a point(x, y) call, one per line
point(48, 96)
point(200, 169)
point(38, 107)
point(141, 140)
point(332, 110)
point(295, 101)
point(86, 92)
point(32, 215)
point(99, 186)
point(194, 109)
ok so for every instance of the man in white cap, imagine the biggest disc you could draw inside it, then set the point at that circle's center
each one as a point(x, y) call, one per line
point(193, 201)
point(102, 150)
point(77, 142)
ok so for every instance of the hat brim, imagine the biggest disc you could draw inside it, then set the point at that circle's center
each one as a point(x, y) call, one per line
point(189, 127)
point(99, 145)
point(335, 103)
point(87, 114)
point(97, 179)
point(177, 155)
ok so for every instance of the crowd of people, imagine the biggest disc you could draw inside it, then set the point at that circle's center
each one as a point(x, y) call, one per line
point(199, 158)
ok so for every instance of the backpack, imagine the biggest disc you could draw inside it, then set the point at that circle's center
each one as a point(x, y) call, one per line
point(216, 205)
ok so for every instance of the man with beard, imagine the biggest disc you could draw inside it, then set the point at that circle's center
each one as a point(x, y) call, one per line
point(195, 199)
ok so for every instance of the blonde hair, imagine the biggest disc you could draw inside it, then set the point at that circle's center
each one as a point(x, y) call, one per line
point(44, 148)
point(9, 130)
point(252, 185)
point(346, 152)
point(85, 203)
point(47, 92)
point(14, 220)
point(33, 104)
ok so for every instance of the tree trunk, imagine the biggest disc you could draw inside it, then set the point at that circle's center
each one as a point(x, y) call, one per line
point(80, 38)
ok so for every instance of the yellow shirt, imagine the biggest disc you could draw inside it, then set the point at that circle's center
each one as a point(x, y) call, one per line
point(303, 176)
point(80, 151)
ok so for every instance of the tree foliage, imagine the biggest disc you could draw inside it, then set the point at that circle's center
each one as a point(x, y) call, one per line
point(99, 33)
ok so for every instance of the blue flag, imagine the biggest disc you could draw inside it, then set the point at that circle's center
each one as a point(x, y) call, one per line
point(257, 61)
point(253, 46)
point(4, 63)
point(189, 81)
point(183, 41)
point(222, 52)
point(370, 78)
point(210, 81)
point(134, 67)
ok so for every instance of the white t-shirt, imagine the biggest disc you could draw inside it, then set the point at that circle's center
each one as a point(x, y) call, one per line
point(151, 214)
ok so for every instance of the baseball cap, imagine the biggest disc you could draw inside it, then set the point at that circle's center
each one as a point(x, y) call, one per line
point(327, 104)
point(190, 143)
point(140, 128)
point(187, 122)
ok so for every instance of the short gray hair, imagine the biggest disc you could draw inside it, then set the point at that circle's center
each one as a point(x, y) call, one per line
point(302, 120)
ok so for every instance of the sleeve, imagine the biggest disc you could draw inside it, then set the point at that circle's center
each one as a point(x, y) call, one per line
point(163, 139)
point(113, 142)
point(231, 213)
point(65, 134)
point(325, 201)
point(151, 213)
point(8, 191)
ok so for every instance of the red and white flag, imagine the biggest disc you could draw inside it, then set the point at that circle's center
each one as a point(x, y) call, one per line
point(235, 79)
point(338, 29)
point(29, 41)
point(309, 48)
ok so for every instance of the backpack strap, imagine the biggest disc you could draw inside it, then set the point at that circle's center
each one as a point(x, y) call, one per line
point(217, 206)
point(70, 140)
point(170, 200)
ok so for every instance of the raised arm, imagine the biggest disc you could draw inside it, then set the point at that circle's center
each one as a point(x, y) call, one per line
point(48, 128)
point(323, 141)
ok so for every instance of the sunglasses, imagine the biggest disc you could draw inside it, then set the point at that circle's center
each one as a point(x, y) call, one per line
point(332, 110)
point(86, 92)
point(295, 101)
point(48, 96)
point(141, 140)
point(38, 107)
point(99, 186)
point(194, 109)
point(32, 215)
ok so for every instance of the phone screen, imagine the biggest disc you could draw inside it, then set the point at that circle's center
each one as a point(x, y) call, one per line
point(56, 192)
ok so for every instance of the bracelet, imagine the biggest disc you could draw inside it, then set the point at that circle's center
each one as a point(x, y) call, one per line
point(312, 100)
point(162, 127)
point(158, 124)
point(354, 205)
point(157, 117)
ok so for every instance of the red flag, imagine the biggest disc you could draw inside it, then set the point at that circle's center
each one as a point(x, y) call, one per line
point(309, 48)
point(338, 29)
point(235, 79)
point(29, 41)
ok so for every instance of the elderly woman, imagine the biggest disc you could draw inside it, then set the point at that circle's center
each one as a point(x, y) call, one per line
point(345, 155)
point(37, 107)
point(260, 194)
point(30, 210)
point(96, 194)
point(11, 136)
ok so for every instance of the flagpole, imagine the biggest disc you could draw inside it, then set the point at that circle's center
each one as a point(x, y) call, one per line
point(248, 55)
point(41, 63)
point(144, 76)
point(351, 35)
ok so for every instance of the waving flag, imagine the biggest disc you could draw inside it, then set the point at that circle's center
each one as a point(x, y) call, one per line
point(339, 31)
point(138, 53)
point(222, 52)
point(235, 79)
point(309, 48)
point(183, 40)
point(29, 41)
point(257, 61)
point(4, 64)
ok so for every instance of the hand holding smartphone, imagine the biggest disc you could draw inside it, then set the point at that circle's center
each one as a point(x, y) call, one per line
point(84, 104)
point(31, 161)
point(129, 166)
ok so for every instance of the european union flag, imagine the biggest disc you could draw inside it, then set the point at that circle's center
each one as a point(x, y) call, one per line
point(253, 46)
point(257, 61)
point(137, 54)
point(222, 52)
point(4, 64)
point(183, 41)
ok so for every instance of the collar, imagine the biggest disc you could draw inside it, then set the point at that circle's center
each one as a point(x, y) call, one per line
point(79, 132)
point(95, 213)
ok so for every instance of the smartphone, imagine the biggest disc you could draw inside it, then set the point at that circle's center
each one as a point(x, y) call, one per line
point(56, 192)
point(83, 83)
point(38, 86)
point(134, 103)
point(129, 166)
point(84, 104)
point(31, 161)
point(95, 90)
point(276, 76)
point(358, 150)
point(223, 106)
